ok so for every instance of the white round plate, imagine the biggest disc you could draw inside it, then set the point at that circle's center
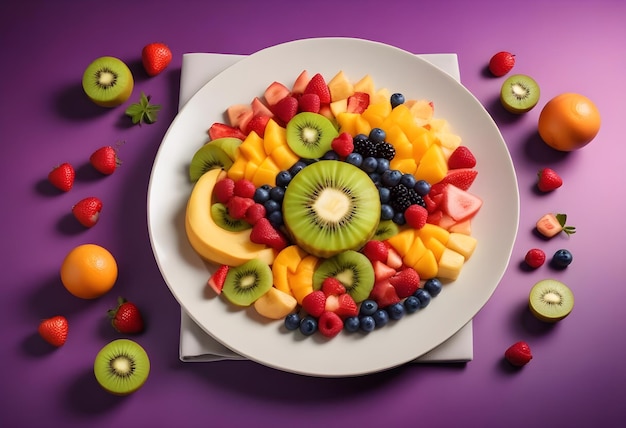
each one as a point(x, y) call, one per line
point(268, 343)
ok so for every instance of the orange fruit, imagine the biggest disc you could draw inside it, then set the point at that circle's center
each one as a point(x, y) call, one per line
point(88, 271)
point(568, 122)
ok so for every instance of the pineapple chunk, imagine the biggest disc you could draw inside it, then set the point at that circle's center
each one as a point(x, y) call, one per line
point(462, 244)
point(340, 87)
point(450, 264)
point(275, 304)
point(366, 84)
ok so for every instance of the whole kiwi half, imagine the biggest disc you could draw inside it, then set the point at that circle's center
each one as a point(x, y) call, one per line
point(519, 93)
point(108, 81)
point(121, 367)
point(244, 284)
point(310, 135)
point(550, 300)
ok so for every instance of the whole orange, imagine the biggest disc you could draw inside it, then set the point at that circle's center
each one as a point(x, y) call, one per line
point(89, 271)
point(568, 122)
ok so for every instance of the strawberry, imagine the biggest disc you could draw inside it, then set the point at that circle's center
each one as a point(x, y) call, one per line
point(155, 58)
point(317, 85)
point(358, 102)
point(406, 282)
point(416, 216)
point(342, 305)
point(330, 324)
point(221, 130)
point(461, 157)
point(375, 250)
point(331, 286)
point(535, 258)
point(264, 233)
point(216, 281)
point(286, 108)
point(244, 188)
point(309, 102)
point(255, 213)
point(434, 217)
point(384, 294)
point(548, 180)
point(342, 144)
point(275, 92)
point(394, 260)
point(501, 63)
point(463, 178)
point(237, 206)
point(518, 354)
point(382, 271)
point(314, 303)
point(551, 225)
point(460, 204)
point(54, 330)
point(258, 123)
point(62, 176)
point(126, 318)
point(105, 160)
point(87, 211)
point(224, 189)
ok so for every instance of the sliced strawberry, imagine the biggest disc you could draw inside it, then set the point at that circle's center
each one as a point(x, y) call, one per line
point(382, 271)
point(434, 217)
point(275, 92)
point(329, 324)
point(317, 85)
point(343, 305)
point(394, 260)
point(460, 177)
point(224, 189)
point(264, 233)
point(375, 250)
point(239, 115)
point(309, 102)
point(461, 157)
point(258, 124)
point(331, 286)
point(384, 294)
point(460, 204)
point(286, 108)
point(406, 282)
point(314, 303)
point(259, 108)
point(301, 81)
point(221, 130)
point(343, 144)
point(358, 102)
point(216, 281)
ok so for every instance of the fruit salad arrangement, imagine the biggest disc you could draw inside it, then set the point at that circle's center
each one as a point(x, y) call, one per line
point(332, 204)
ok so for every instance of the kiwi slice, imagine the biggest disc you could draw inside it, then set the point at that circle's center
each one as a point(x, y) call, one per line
point(310, 135)
point(108, 81)
point(330, 207)
point(386, 229)
point(352, 269)
point(519, 93)
point(206, 158)
point(550, 300)
point(121, 367)
point(247, 282)
point(229, 145)
point(220, 216)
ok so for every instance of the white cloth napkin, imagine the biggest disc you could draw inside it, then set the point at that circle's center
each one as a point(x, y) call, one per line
point(195, 344)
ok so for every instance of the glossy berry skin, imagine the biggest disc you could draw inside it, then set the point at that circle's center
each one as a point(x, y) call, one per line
point(411, 304)
point(518, 354)
point(396, 99)
point(297, 167)
point(377, 135)
point(126, 318)
point(62, 177)
point(501, 63)
point(292, 321)
point(381, 318)
point(283, 178)
point(433, 286)
point(422, 187)
point(368, 307)
point(308, 325)
point(535, 258)
point(355, 159)
point(367, 323)
point(562, 259)
point(396, 311)
point(352, 324)
point(423, 296)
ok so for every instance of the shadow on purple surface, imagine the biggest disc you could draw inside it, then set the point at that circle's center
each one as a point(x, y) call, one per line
point(86, 397)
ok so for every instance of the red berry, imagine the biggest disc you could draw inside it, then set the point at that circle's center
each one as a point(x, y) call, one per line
point(331, 286)
point(535, 258)
point(224, 189)
point(264, 233)
point(62, 176)
point(314, 303)
point(244, 188)
point(105, 160)
point(376, 250)
point(126, 318)
point(54, 330)
point(317, 85)
point(237, 206)
point(518, 354)
point(548, 180)
point(501, 63)
point(87, 211)
point(416, 216)
point(155, 58)
point(330, 324)
point(342, 144)
point(461, 157)
point(406, 282)
point(255, 213)
point(309, 102)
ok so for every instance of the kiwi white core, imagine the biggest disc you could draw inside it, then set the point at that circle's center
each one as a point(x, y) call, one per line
point(332, 205)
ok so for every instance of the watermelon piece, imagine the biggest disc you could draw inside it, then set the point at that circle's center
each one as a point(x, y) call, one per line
point(460, 204)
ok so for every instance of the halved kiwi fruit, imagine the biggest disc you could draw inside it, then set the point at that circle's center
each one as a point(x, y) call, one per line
point(330, 207)
point(352, 269)
point(219, 213)
point(121, 367)
point(519, 93)
point(208, 157)
point(228, 144)
point(108, 81)
point(550, 300)
point(386, 229)
point(247, 282)
point(310, 135)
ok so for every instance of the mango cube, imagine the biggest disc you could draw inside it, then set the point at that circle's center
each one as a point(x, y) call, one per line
point(462, 244)
point(450, 264)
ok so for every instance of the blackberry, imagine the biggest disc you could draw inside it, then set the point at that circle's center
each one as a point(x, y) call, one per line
point(365, 148)
point(385, 150)
point(415, 198)
point(401, 197)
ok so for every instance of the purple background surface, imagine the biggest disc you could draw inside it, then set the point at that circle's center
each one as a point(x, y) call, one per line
point(578, 376)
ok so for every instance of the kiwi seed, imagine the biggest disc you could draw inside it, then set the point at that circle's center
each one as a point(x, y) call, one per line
point(108, 81)
point(310, 135)
point(550, 300)
point(121, 367)
point(246, 283)
point(519, 93)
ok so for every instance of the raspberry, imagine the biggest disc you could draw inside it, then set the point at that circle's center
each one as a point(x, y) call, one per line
point(518, 354)
point(342, 144)
point(535, 258)
point(244, 188)
point(224, 190)
point(330, 324)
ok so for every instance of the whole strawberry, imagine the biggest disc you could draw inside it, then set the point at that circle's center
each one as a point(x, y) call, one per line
point(105, 160)
point(548, 180)
point(155, 58)
point(126, 318)
point(501, 63)
point(518, 354)
point(62, 176)
point(87, 211)
point(54, 330)
point(535, 258)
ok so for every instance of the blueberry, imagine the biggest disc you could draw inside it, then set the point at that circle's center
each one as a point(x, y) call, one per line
point(384, 194)
point(381, 317)
point(277, 194)
point(411, 304)
point(297, 167)
point(352, 324)
point(398, 218)
point(562, 259)
point(391, 177)
point(308, 325)
point(396, 99)
point(275, 217)
point(261, 194)
point(367, 323)
point(375, 177)
point(377, 135)
point(355, 159)
point(283, 178)
point(386, 212)
point(383, 165)
point(368, 307)
point(369, 164)
point(292, 321)
point(330, 155)
point(271, 206)
point(396, 311)
point(433, 286)
point(408, 180)
point(423, 296)
point(422, 187)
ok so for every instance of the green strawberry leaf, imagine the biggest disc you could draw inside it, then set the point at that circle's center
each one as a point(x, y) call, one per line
point(562, 218)
point(143, 111)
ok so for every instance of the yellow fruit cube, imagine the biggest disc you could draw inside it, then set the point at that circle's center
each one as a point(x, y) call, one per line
point(362, 126)
point(340, 87)
point(250, 171)
point(284, 157)
point(415, 252)
point(366, 84)
point(339, 106)
point(406, 165)
point(462, 244)
point(422, 111)
point(281, 278)
point(427, 266)
point(275, 304)
point(435, 246)
point(402, 241)
point(398, 139)
point(381, 95)
point(274, 136)
point(450, 264)
point(264, 173)
point(400, 116)
point(252, 148)
point(432, 230)
point(301, 283)
point(421, 139)
point(237, 170)
point(347, 122)
point(379, 110)
point(433, 165)
point(464, 227)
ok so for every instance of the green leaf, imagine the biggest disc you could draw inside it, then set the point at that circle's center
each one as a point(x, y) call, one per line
point(143, 111)
point(562, 218)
